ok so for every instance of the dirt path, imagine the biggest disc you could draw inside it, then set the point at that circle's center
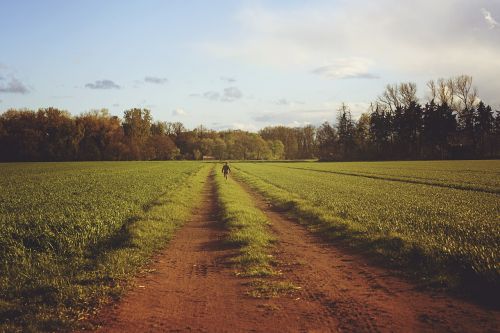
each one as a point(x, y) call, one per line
point(364, 298)
point(193, 287)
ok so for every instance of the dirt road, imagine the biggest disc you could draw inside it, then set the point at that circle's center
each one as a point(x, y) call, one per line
point(362, 297)
point(194, 288)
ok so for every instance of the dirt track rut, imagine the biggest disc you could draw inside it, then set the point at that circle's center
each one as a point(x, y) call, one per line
point(361, 296)
point(193, 288)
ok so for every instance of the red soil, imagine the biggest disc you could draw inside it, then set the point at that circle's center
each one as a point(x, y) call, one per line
point(194, 288)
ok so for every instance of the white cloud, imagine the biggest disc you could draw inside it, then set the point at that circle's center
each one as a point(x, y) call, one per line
point(315, 116)
point(228, 79)
point(229, 94)
point(102, 84)
point(212, 95)
point(492, 23)
point(155, 80)
point(282, 101)
point(301, 117)
point(244, 127)
point(9, 83)
point(286, 102)
point(14, 86)
point(178, 112)
point(347, 68)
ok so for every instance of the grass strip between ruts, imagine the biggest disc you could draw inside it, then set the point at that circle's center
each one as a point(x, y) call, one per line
point(248, 228)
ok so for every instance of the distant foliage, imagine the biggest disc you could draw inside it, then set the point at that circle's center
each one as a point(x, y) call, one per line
point(54, 135)
point(453, 124)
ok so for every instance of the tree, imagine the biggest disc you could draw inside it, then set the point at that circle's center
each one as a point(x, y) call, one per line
point(102, 136)
point(326, 136)
point(439, 125)
point(60, 135)
point(174, 129)
point(465, 92)
point(362, 136)
point(159, 128)
point(399, 95)
point(160, 147)
point(277, 149)
point(380, 130)
point(137, 128)
point(206, 146)
point(219, 149)
point(22, 137)
point(288, 136)
point(345, 132)
point(306, 141)
point(484, 123)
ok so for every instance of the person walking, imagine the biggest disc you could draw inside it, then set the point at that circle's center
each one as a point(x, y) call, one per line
point(226, 170)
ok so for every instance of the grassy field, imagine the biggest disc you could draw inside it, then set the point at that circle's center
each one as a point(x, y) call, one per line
point(71, 232)
point(440, 219)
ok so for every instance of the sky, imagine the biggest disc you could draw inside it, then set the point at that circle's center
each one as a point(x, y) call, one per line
point(240, 64)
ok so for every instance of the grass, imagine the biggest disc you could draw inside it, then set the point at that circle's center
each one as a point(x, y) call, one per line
point(67, 254)
point(248, 228)
point(441, 235)
point(261, 288)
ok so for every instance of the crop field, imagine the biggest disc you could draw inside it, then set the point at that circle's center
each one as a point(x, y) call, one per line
point(429, 214)
point(67, 228)
point(73, 235)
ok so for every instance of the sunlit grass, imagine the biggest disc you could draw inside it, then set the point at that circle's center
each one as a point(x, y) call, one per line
point(64, 254)
point(441, 232)
point(248, 228)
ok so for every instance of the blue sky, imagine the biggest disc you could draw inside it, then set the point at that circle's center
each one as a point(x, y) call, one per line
point(239, 64)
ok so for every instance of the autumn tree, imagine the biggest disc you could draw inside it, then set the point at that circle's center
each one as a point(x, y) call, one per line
point(137, 128)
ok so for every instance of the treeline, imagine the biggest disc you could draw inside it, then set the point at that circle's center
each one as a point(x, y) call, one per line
point(54, 135)
point(453, 123)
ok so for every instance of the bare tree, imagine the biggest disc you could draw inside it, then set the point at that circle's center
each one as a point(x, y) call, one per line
point(398, 95)
point(442, 91)
point(408, 93)
point(390, 97)
point(433, 90)
point(465, 92)
point(446, 91)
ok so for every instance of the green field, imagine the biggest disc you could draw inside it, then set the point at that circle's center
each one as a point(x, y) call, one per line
point(72, 233)
point(427, 214)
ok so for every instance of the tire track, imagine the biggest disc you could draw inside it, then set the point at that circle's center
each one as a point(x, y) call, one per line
point(399, 180)
point(193, 287)
point(361, 297)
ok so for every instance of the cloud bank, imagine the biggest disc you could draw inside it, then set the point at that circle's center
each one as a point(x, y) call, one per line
point(394, 40)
